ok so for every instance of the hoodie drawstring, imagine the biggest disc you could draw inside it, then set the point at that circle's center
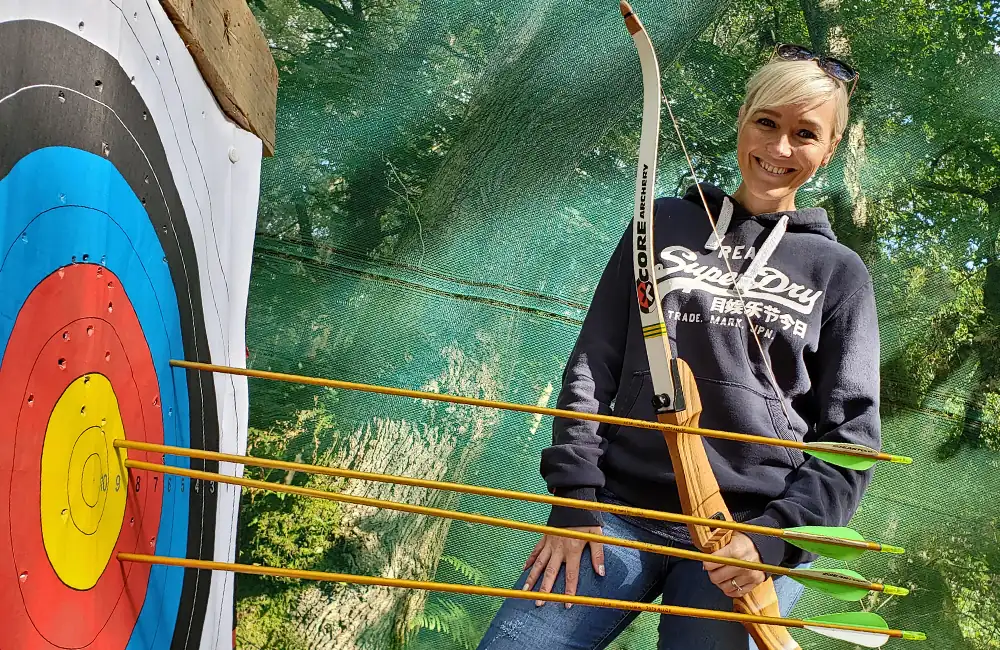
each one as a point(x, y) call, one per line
point(721, 226)
point(760, 259)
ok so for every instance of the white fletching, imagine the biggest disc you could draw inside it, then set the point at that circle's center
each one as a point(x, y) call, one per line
point(865, 639)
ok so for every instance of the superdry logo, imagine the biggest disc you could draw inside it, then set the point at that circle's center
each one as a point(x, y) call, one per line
point(681, 271)
point(643, 285)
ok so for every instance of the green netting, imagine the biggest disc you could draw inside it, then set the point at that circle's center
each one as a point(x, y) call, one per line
point(451, 177)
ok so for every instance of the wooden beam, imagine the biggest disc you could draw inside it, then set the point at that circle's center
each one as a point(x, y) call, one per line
point(233, 56)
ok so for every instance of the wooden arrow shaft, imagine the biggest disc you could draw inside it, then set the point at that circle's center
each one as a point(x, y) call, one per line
point(524, 408)
point(594, 506)
point(470, 518)
point(476, 590)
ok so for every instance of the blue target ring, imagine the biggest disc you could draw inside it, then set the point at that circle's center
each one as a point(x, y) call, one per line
point(60, 205)
point(85, 173)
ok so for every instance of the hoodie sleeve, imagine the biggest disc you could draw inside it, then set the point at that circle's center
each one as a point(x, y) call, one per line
point(845, 377)
point(589, 384)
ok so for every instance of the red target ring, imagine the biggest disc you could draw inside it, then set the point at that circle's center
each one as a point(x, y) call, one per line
point(76, 322)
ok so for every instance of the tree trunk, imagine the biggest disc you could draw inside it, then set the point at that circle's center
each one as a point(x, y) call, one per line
point(304, 221)
point(534, 116)
point(850, 212)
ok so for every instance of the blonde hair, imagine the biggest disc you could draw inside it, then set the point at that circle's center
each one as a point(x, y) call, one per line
point(780, 82)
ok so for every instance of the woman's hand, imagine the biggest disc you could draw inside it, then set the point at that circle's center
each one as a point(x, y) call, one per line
point(552, 551)
point(734, 581)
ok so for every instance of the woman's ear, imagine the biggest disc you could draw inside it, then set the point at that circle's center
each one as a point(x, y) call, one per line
point(829, 155)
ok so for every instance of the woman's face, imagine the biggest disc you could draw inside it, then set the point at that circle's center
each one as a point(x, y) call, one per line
point(781, 147)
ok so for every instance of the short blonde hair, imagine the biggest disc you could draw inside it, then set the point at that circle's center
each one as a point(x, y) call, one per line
point(780, 82)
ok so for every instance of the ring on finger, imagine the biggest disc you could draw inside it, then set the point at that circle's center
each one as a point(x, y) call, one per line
point(735, 586)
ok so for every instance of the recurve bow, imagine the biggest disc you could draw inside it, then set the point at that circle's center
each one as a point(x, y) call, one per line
point(676, 397)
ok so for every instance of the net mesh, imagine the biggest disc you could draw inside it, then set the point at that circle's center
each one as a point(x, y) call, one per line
point(451, 178)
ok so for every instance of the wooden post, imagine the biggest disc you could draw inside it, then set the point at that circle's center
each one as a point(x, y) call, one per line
point(234, 58)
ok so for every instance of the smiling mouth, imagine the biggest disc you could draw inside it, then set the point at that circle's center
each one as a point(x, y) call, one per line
point(771, 169)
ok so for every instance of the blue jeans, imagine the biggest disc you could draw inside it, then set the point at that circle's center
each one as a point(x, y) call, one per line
point(629, 575)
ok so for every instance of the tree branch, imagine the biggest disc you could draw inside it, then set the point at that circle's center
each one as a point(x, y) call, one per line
point(817, 23)
point(950, 189)
point(335, 14)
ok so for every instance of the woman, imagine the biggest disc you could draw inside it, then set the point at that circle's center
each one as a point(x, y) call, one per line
point(815, 377)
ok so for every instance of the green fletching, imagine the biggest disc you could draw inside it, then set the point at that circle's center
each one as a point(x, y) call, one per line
point(848, 592)
point(841, 460)
point(827, 548)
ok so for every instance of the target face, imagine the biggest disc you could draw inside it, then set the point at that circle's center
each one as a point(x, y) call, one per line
point(102, 283)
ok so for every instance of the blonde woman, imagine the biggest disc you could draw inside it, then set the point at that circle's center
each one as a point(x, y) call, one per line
point(813, 308)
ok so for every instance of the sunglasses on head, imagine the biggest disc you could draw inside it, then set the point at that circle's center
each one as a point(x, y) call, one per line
point(831, 66)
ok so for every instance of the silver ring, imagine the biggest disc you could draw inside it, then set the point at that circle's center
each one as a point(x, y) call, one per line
point(735, 586)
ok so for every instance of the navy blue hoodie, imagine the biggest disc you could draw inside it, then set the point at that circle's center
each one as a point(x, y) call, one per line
point(813, 307)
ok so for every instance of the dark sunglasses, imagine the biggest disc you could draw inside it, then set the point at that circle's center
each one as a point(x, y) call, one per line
point(831, 66)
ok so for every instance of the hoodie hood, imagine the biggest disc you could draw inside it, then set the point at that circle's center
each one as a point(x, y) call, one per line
point(812, 220)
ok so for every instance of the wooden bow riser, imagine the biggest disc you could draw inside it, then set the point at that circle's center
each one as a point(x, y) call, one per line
point(701, 497)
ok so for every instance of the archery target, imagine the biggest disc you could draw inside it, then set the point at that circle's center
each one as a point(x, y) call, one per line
point(126, 225)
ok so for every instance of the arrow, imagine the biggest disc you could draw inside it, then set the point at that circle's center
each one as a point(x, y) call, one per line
point(838, 583)
point(839, 454)
point(866, 629)
point(840, 543)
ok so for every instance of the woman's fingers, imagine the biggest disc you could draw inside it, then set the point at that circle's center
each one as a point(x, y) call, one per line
point(572, 572)
point(734, 581)
point(537, 568)
point(551, 572)
point(548, 556)
point(597, 557)
point(724, 573)
point(534, 553)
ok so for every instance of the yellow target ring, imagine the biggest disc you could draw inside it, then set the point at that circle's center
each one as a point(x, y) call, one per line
point(83, 481)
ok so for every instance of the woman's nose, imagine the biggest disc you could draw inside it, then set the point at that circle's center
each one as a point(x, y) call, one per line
point(781, 147)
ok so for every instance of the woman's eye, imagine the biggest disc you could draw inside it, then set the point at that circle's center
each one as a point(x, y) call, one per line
point(766, 121)
point(806, 133)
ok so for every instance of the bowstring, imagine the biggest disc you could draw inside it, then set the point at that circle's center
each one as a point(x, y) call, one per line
point(729, 267)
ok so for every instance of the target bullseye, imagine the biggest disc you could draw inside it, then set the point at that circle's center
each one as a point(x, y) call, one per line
point(108, 268)
point(92, 482)
point(77, 377)
point(83, 474)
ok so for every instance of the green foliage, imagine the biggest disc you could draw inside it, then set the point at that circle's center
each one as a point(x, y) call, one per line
point(471, 574)
point(463, 169)
point(280, 529)
point(448, 618)
point(265, 622)
point(283, 530)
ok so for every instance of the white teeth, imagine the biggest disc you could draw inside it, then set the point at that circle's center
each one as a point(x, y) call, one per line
point(773, 169)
